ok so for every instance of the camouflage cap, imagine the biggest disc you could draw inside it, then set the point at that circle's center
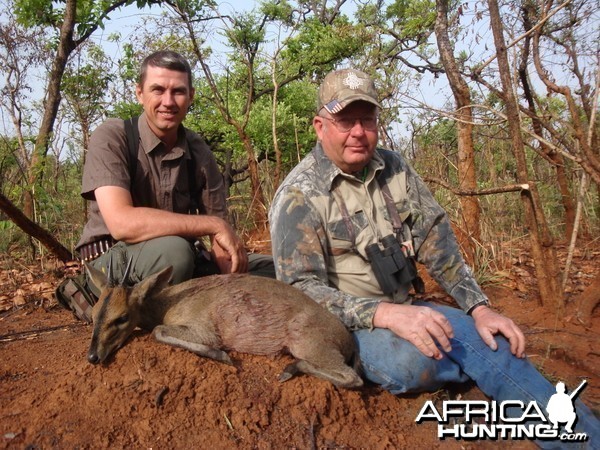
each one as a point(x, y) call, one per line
point(342, 87)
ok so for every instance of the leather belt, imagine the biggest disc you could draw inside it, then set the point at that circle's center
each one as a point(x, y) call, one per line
point(91, 251)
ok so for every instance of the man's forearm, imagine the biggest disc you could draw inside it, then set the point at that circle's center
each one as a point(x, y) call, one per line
point(132, 225)
point(354, 312)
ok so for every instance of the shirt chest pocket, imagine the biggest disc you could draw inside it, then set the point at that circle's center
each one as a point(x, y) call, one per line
point(398, 190)
point(345, 233)
point(403, 208)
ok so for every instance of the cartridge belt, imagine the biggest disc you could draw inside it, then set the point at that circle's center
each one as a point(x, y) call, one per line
point(93, 250)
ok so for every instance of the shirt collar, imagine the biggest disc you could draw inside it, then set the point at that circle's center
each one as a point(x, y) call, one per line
point(150, 142)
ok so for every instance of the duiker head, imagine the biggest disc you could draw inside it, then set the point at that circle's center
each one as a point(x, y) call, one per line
point(118, 310)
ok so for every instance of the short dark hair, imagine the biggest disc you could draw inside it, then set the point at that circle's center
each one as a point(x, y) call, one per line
point(167, 59)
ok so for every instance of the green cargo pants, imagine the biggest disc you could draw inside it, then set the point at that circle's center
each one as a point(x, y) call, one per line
point(79, 294)
point(152, 256)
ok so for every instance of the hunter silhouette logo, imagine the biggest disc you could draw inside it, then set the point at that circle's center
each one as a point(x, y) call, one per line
point(509, 419)
point(560, 406)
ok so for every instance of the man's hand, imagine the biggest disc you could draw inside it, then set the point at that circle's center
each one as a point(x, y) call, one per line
point(488, 323)
point(228, 252)
point(419, 325)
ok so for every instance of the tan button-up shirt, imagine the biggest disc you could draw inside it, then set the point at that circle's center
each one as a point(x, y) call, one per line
point(161, 178)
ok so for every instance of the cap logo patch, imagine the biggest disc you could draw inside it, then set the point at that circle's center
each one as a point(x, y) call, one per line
point(352, 81)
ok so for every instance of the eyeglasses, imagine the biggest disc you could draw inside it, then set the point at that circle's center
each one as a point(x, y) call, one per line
point(345, 124)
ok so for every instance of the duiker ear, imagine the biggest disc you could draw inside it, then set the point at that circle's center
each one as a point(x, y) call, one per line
point(151, 285)
point(97, 276)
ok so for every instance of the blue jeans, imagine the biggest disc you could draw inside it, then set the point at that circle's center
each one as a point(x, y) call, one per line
point(399, 367)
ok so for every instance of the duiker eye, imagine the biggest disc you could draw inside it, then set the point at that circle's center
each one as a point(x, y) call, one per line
point(123, 319)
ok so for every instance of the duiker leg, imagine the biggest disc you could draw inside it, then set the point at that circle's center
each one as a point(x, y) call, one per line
point(184, 337)
point(340, 375)
point(322, 359)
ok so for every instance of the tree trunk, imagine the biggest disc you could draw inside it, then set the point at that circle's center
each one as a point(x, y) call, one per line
point(258, 206)
point(542, 244)
point(34, 230)
point(464, 125)
point(557, 160)
point(65, 47)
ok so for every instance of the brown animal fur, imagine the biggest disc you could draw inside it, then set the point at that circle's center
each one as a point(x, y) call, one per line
point(238, 312)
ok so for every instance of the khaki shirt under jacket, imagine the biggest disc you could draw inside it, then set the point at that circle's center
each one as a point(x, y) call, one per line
point(161, 179)
point(313, 245)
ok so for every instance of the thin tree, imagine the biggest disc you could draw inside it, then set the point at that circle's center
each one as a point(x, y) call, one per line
point(245, 33)
point(87, 19)
point(74, 24)
point(464, 123)
point(554, 157)
point(542, 244)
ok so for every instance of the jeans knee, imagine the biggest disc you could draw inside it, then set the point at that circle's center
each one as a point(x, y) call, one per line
point(398, 366)
point(411, 377)
point(414, 375)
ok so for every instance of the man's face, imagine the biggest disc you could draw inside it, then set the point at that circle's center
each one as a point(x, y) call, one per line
point(350, 150)
point(166, 96)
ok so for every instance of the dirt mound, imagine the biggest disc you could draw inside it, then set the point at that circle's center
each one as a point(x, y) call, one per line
point(151, 395)
point(154, 396)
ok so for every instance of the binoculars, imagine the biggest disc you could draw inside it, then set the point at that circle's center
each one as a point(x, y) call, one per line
point(392, 267)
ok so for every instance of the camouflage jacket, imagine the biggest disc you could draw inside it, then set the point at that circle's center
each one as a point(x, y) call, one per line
point(319, 251)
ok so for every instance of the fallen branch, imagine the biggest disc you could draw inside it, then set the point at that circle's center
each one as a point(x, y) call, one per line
point(19, 336)
point(488, 191)
point(34, 230)
point(552, 330)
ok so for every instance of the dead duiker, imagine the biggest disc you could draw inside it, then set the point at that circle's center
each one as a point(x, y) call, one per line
point(210, 315)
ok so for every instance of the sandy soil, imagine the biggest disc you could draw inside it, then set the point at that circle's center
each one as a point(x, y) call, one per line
point(154, 396)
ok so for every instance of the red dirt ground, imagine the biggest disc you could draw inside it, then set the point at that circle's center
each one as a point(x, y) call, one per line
point(154, 396)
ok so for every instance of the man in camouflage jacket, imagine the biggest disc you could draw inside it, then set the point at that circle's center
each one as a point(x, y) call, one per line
point(327, 216)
